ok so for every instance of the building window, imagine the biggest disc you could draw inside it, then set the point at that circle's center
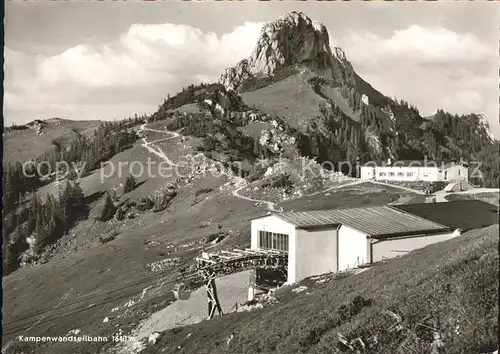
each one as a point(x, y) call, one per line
point(391, 174)
point(426, 174)
point(381, 174)
point(401, 174)
point(409, 174)
point(459, 172)
point(273, 241)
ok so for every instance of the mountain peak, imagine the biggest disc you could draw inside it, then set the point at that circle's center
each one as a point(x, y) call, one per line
point(291, 40)
point(291, 17)
point(485, 127)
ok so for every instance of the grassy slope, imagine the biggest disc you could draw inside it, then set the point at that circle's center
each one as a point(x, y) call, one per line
point(113, 176)
point(98, 268)
point(94, 268)
point(187, 108)
point(334, 94)
point(255, 129)
point(451, 286)
point(22, 145)
point(291, 97)
point(364, 194)
point(294, 98)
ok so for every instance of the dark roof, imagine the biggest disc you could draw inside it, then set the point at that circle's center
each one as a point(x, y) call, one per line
point(415, 163)
point(374, 221)
point(460, 214)
point(400, 163)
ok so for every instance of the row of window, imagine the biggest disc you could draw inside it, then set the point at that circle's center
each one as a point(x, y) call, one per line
point(274, 241)
point(408, 174)
point(400, 174)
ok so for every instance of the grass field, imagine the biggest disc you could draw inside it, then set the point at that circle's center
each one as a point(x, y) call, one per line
point(364, 194)
point(449, 288)
point(22, 145)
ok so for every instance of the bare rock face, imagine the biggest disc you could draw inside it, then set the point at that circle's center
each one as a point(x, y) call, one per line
point(291, 41)
point(234, 77)
point(484, 128)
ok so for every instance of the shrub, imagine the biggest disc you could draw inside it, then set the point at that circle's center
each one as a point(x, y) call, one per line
point(317, 82)
point(120, 214)
point(162, 198)
point(110, 236)
point(212, 237)
point(202, 191)
point(144, 203)
point(282, 181)
point(437, 186)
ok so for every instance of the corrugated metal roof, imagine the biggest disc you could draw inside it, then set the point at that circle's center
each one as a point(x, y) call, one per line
point(374, 221)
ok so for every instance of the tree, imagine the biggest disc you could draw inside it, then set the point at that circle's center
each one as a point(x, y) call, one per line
point(77, 205)
point(108, 210)
point(489, 159)
point(130, 184)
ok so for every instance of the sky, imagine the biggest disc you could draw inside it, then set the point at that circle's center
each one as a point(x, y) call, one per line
point(102, 60)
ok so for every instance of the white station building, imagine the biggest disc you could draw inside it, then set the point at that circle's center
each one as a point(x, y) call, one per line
point(410, 171)
point(325, 241)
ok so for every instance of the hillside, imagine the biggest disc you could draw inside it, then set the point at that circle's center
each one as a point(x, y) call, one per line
point(321, 103)
point(273, 79)
point(96, 250)
point(448, 289)
point(29, 141)
point(295, 98)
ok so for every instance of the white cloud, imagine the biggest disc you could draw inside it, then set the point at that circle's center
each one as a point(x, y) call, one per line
point(147, 57)
point(418, 45)
point(470, 101)
point(430, 67)
point(150, 53)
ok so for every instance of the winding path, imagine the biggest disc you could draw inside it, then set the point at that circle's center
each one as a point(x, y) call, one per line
point(158, 152)
point(270, 205)
point(155, 149)
point(240, 183)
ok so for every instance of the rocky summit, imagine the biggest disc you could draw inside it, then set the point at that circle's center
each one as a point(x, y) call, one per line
point(292, 41)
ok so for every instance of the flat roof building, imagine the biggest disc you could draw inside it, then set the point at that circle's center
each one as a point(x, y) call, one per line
point(324, 241)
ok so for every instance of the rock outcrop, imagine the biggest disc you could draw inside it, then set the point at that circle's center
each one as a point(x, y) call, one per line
point(484, 128)
point(293, 40)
